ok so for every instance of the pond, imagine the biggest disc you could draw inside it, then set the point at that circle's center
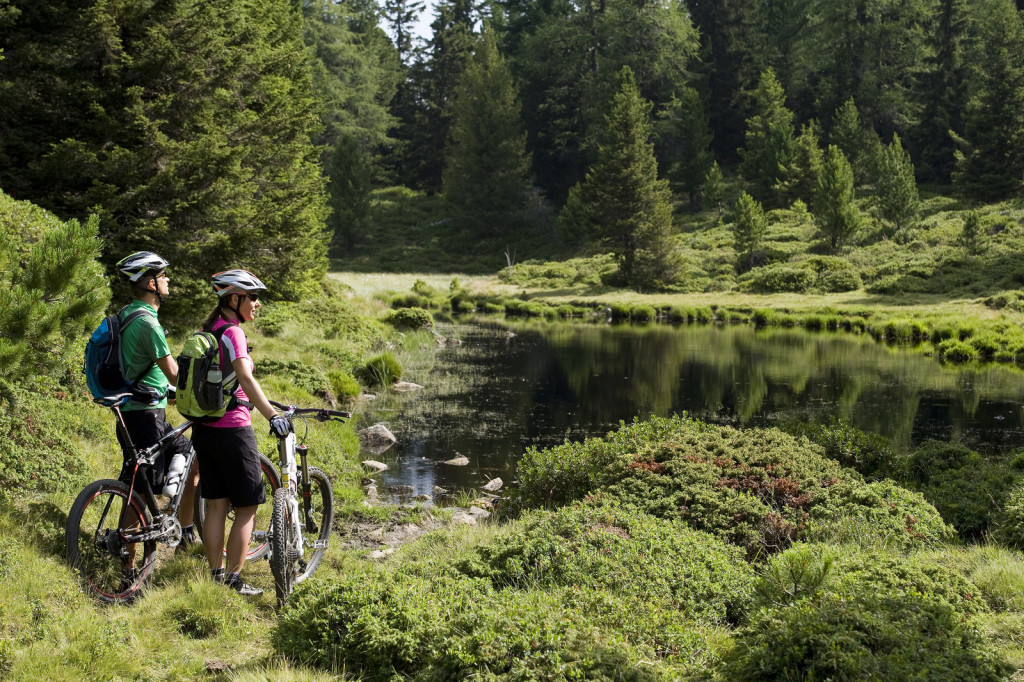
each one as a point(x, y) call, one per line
point(512, 385)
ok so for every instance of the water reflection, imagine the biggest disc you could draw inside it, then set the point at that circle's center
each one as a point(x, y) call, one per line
point(499, 393)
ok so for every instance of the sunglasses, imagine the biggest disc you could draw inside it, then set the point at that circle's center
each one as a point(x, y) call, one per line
point(253, 297)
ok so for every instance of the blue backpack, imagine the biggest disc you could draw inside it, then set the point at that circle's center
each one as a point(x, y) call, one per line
point(104, 367)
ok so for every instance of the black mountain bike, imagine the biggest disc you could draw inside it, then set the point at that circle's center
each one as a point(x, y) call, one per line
point(113, 527)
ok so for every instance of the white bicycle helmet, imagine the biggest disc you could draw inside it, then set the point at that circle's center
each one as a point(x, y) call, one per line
point(141, 264)
point(236, 282)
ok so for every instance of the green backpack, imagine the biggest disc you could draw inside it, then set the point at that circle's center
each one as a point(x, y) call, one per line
point(205, 392)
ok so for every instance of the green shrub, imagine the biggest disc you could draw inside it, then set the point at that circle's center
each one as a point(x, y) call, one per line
point(307, 377)
point(491, 308)
point(868, 453)
point(409, 318)
point(779, 277)
point(834, 274)
point(381, 370)
point(1008, 525)
point(963, 486)
point(956, 351)
point(38, 442)
point(861, 634)
point(411, 300)
point(764, 317)
point(377, 624)
point(598, 547)
point(643, 313)
point(532, 637)
point(343, 385)
point(760, 489)
point(618, 312)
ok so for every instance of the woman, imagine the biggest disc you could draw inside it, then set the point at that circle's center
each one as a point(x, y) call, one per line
point(228, 458)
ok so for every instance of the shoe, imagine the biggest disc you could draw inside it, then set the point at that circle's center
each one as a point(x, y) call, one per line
point(244, 589)
point(187, 540)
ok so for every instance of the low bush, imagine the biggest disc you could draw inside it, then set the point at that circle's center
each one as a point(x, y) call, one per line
point(343, 385)
point(956, 351)
point(409, 318)
point(643, 313)
point(614, 549)
point(381, 370)
point(834, 274)
point(760, 488)
point(445, 627)
point(870, 454)
point(618, 312)
point(38, 442)
point(854, 616)
point(966, 488)
point(779, 277)
point(377, 624)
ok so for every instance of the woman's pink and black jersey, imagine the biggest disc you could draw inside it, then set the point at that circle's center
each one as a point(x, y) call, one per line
point(234, 345)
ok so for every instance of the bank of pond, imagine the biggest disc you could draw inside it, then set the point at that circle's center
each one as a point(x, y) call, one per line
point(780, 528)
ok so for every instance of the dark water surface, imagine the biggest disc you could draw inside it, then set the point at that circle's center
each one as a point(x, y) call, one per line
point(510, 386)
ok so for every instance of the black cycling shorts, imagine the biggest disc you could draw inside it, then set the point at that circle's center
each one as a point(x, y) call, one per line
point(146, 427)
point(229, 464)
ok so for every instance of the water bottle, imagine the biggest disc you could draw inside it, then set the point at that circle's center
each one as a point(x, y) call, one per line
point(212, 393)
point(174, 474)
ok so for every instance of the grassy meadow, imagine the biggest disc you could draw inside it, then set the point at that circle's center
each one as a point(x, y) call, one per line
point(669, 550)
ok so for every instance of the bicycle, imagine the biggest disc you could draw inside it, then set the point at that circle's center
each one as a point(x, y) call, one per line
point(303, 509)
point(259, 542)
point(110, 519)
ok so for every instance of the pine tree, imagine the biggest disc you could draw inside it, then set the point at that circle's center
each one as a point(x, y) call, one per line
point(945, 93)
point(355, 72)
point(770, 147)
point(989, 155)
point(622, 201)
point(733, 56)
point(686, 143)
point(52, 292)
point(802, 174)
point(896, 188)
point(192, 143)
point(970, 235)
point(401, 17)
point(486, 177)
point(427, 125)
point(349, 190)
point(848, 133)
point(714, 188)
point(748, 231)
point(834, 210)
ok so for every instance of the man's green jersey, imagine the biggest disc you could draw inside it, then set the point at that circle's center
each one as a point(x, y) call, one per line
point(142, 344)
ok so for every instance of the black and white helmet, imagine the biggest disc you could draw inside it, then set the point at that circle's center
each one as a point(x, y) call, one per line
point(140, 265)
point(237, 282)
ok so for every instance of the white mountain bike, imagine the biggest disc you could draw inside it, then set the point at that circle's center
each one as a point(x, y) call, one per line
point(303, 508)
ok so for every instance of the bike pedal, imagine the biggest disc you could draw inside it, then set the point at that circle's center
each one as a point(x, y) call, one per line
point(320, 544)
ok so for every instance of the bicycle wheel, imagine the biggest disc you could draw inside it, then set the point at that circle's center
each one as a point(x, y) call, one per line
point(316, 518)
point(259, 543)
point(110, 568)
point(282, 542)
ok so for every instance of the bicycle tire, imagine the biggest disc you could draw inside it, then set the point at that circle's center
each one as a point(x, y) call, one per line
point(316, 522)
point(259, 543)
point(96, 551)
point(282, 539)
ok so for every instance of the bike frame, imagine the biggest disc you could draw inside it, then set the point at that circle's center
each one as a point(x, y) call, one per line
point(286, 448)
point(143, 460)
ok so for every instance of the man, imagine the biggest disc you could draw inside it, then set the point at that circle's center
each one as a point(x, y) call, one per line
point(149, 364)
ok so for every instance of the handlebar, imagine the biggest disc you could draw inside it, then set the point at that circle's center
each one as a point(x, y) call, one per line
point(319, 413)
